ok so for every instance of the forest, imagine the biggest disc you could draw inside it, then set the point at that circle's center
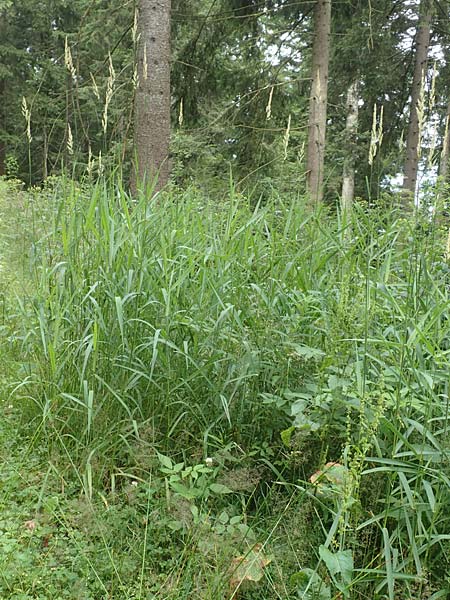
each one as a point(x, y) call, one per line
point(224, 299)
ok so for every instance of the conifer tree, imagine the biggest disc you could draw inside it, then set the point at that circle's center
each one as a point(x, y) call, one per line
point(416, 113)
point(152, 101)
point(318, 100)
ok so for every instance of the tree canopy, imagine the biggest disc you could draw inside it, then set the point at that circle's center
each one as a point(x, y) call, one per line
point(240, 82)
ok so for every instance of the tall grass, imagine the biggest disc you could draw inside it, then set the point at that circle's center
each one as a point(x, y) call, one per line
point(187, 323)
point(180, 312)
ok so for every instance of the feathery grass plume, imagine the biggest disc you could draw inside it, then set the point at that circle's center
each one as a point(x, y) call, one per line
point(301, 152)
point(95, 87)
point(135, 36)
point(269, 105)
point(380, 127)
point(286, 137)
point(100, 164)
point(181, 114)
point(69, 139)
point(373, 136)
point(109, 93)
point(433, 142)
point(68, 59)
point(145, 64)
point(420, 109)
point(26, 112)
point(134, 33)
point(90, 164)
point(376, 136)
point(135, 79)
point(432, 96)
point(112, 73)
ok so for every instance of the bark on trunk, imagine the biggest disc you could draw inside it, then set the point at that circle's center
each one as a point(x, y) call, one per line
point(152, 100)
point(351, 130)
point(443, 166)
point(415, 117)
point(318, 101)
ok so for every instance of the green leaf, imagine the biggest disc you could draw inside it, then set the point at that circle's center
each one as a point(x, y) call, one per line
point(388, 563)
point(223, 517)
point(119, 310)
point(165, 461)
point(273, 399)
point(218, 488)
point(335, 382)
point(235, 520)
point(304, 424)
point(430, 495)
point(338, 563)
point(307, 352)
point(286, 436)
point(184, 491)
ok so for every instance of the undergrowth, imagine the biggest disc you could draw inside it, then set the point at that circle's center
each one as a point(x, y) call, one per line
point(230, 400)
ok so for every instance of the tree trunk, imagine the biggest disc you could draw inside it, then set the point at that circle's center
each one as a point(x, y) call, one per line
point(415, 117)
point(318, 101)
point(152, 101)
point(351, 130)
point(443, 165)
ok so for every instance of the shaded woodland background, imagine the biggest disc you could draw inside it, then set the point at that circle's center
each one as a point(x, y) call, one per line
point(240, 73)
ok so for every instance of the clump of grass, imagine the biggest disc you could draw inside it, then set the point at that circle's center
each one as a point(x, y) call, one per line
point(180, 312)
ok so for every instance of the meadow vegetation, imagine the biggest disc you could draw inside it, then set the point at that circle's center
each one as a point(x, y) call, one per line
point(221, 398)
